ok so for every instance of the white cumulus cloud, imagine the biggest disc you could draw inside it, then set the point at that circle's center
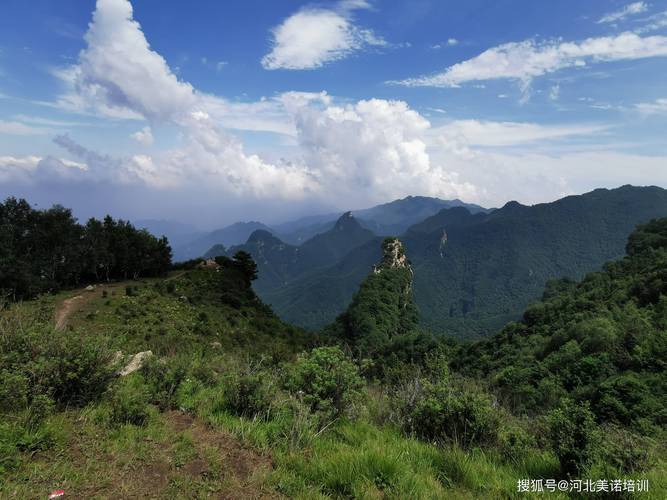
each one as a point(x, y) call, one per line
point(118, 73)
point(313, 37)
point(627, 11)
point(524, 61)
point(373, 150)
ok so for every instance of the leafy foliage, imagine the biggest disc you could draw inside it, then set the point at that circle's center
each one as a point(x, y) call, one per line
point(444, 412)
point(574, 436)
point(326, 380)
point(46, 250)
point(602, 340)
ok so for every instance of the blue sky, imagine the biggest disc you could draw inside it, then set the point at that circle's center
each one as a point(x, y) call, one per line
point(209, 112)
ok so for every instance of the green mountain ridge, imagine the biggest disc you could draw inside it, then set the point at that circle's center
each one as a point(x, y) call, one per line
point(473, 273)
point(602, 340)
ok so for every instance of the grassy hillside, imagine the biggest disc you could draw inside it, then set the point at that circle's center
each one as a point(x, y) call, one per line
point(235, 403)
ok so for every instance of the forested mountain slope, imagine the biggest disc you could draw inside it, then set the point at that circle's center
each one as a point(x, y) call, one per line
point(602, 340)
point(473, 273)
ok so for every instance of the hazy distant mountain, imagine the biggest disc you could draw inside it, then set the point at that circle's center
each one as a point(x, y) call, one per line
point(234, 234)
point(279, 263)
point(215, 251)
point(387, 219)
point(177, 233)
point(395, 217)
point(473, 273)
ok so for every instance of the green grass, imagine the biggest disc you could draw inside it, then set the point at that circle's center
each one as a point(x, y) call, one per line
point(93, 452)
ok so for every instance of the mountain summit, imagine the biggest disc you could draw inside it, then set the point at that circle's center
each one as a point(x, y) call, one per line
point(383, 308)
point(393, 256)
point(346, 222)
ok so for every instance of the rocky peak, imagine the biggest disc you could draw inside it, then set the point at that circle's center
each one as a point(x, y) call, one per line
point(346, 222)
point(260, 237)
point(393, 256)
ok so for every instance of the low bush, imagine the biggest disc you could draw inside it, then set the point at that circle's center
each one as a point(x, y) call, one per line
point(14, 391)
point(68, 368)
point(575, 437)
point(514, 443)
point(327, 381)
point(248, 393)
point(443, 412)
point(128, 401)
point(163, 378)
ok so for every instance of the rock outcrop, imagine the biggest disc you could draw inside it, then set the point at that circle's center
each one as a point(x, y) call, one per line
point(393, 256)
point(134, 363)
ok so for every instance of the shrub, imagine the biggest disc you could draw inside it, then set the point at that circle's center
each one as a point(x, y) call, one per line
point(444, 413)
point(68, 368)
point(326, 380)
point(129, 401)
point(129, 291)
point(40, 407)
point(13, 391)
point(164, 377)
point(574, 436)
point(248, 393)
point(514, 443)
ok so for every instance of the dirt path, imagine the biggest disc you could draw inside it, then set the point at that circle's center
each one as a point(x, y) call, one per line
point(64, 310)
point(215, 466)
point(241, 468)
point(68, 307)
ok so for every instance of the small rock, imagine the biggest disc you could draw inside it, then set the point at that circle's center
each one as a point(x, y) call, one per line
point(136, 363)
point(216, 345)
point(90, 288)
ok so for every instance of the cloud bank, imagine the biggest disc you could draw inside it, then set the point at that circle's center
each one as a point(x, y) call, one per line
point(367, 151)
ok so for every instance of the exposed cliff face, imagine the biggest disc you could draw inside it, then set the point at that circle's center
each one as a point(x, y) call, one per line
point(393, 256)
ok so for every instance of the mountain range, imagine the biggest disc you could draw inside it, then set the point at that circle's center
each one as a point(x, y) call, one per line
point(387, 219)
point(476, 272)
point(475, 268)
